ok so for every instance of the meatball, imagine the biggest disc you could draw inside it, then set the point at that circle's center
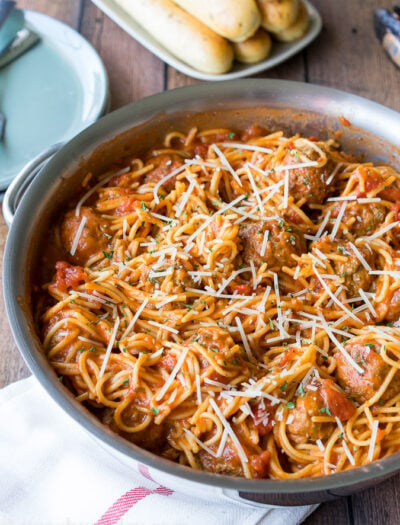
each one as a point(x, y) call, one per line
point(229, 462)
point(361, 219)
point(152, 438)
point(307, 183)
point(163, 165)
point(361, 387)
point(253, 132)
point(178, 277)
point(302, 428)
point(67, 277)
point(326, 400)
point(389, 309)
point(283, 242)
point(354, 274)
point(93, 239)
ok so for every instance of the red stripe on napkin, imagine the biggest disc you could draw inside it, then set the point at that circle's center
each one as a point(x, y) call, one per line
point(126, 502)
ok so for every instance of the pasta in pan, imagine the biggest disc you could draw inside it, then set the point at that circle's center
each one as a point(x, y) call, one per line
point(231, 302)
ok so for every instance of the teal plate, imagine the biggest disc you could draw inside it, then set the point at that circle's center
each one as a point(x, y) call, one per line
point(49, 94)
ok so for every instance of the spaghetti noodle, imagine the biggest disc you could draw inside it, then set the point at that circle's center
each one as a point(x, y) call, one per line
point(231, 303)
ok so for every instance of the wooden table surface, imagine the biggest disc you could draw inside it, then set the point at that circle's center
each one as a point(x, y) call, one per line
point(346, 56)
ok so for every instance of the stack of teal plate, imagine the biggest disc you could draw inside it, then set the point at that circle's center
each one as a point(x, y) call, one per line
point(48, 94)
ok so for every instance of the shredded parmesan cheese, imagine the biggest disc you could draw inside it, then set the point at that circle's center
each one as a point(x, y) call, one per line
point(333, 297)
point(338, 220)
point(360, 257)
point(244, 338)
point(226, 164)
point(164, 327)
point(367, 302)
point(200, 443)
point(249, 147)
point(78, 235)
point(171, 378)
point(207, 222)
point(383, 230)
point(230, 432)
point(134, 319)
point(375, 426)
point(348, 453)
point(109, 347)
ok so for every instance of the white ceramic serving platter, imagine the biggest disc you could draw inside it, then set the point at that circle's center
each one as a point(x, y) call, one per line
point(280, 51)
point(49, 94)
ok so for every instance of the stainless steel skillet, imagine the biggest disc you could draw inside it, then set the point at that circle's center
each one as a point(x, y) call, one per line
point(374, 132)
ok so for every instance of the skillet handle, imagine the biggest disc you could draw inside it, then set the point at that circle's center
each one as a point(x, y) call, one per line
point(278, 502)
point(22, 181)
point(237, 497)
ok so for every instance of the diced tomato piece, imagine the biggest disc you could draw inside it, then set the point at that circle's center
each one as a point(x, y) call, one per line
point(242, 289)
point(337, 403)
point(390, 194)
point(128, 206)
point(260, 464)
point(263, 418)
point(253, 131)
point(168, 361)
point(371, 180)
point(68, 276)
point(289, 355)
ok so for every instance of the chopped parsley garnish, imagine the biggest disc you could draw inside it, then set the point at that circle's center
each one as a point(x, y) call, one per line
point(325, 410)
point(290, 404)
point(155, 411)
point(301, 390)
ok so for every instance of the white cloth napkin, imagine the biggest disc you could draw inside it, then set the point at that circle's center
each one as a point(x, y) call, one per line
point(52, 472)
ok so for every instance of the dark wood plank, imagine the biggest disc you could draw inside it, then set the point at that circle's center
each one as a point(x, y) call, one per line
point(380, 505)
point(133, 71)
point(335, 512)
point(348, 56)
point(12, 366)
